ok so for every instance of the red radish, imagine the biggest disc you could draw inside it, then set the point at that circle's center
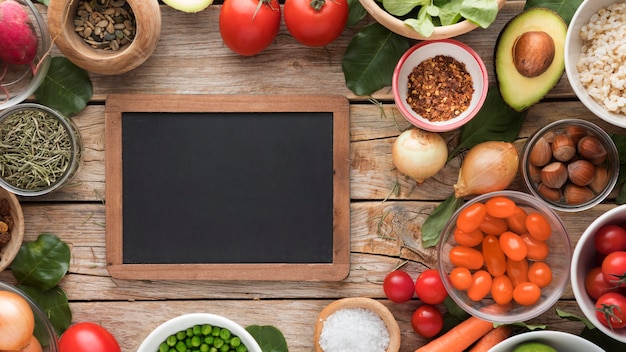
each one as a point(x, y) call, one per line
point(18, 40)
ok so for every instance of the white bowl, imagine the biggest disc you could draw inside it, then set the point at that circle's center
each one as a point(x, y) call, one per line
point(429, 49)
point(583, 260)
point(172, 326)
point(573, 44)
point(561, 341)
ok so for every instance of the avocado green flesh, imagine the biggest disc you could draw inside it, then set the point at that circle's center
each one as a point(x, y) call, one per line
point(534, 347)
point(518, 91)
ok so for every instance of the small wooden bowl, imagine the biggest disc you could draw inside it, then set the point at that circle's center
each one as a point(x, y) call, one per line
point(148, 31)
point(9, 250)
point(360, 302)
point(396, 25)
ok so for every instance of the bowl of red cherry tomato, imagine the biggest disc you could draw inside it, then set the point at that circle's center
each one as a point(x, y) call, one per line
point(599, 273)
point(505, 257)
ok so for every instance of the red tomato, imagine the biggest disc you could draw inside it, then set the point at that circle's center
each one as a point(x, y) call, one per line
point(316, 22)
point(513, 246)
point(87, 337)
point(470, 218)
point(461, 278)
point(495, 260)
point(429, 287)
point(466, 257)
point(526, 293)
point(500, 207)
point(502, 289)
point(493, 226)
point(481, 285)
point(540, 274)
point(427, 321)
point(536, 249)
point(611, 310)
point(610, 238)
point(614, 268)
point(398, 286)
point(596, 285)
point(538, 226)
point(517, 270)
point(468, 239)
point(517, 221)
point(248, 27)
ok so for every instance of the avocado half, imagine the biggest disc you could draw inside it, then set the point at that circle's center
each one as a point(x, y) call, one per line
point(520, 91)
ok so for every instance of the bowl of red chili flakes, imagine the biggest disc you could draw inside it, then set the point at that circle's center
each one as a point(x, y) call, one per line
point(440, 85)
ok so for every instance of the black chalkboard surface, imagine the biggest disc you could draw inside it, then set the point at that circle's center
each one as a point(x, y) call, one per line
point(227, 187)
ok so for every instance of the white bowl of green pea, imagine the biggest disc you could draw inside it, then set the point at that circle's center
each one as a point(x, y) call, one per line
point(199, 331)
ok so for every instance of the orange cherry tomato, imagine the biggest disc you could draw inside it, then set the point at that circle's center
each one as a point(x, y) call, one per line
point(468, 239)
point(492, 225)
point(500, 207)
point(526, 293)
point(538, 226)
point(517, 271)
point(537, 250)
point(502, 289)
point(513, 246)
point(517, 221)
point(481, 285)
point(469, 219)
point(460, 278)
point(494, 257)
point(466, 257)
point(540, 274)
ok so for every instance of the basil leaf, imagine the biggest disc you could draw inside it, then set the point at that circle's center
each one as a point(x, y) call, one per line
point(54, 304)
point(424, 22)
point(41, 263)
point(402, 7)
point(67, 88)
point(481, 12)
point(496, 120)
point(356, 12)
point(565, 8)
point(434, 224)
point(450, 12)
point(371, 57)
point(269, 338)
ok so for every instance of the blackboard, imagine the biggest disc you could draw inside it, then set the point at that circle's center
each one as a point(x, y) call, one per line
point(227, 187)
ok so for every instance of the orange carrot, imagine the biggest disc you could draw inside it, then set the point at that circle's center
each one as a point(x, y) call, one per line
point(492, 338)
point(459, 337)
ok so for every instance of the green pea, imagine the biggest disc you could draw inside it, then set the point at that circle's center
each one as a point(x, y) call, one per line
point(209, 340)
point(206, 329)
point(204, 348)
point(181, 335)
point(218, 343)
point(215, 331)
point(181, 347)
point(196, 341)
point(241, 348)
point(225, 334)
point(197, 329)
point(164, 347)
point(225, 348)
point(235, 341)
point(171, 340)
point(189, 332)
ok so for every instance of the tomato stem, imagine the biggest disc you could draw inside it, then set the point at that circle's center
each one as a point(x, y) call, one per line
point(261, 3)
point(317, 4)
point(609, 314)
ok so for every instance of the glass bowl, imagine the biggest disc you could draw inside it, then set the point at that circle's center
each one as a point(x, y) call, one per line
point(44, 331)
point(18, 82)
point(545, 164)
point(68, 149)
point(558, 259)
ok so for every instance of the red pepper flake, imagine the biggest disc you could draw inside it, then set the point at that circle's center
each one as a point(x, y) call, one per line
point(439, 88)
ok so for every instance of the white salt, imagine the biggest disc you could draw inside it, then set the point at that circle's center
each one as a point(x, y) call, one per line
point(354, 329)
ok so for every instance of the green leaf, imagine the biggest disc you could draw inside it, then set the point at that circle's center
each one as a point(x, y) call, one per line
point(450, 12)
point(269, 338)
point(565, 8)
point(371, 57)
point(67, 88)
point(573, 317)
point(54, 304)
point(434, 224)
point(454, 309)
point(41, 263)
point(402, 7)
point(481, 12)
point(45, 2)
point(496, 120)
point(357, 12)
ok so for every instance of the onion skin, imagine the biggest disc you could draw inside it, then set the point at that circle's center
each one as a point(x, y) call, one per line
point(419, 154)
point(17, 322)
point(33, 346)
point(489, 166)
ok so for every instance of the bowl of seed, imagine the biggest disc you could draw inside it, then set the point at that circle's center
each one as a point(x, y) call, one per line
point(40, 149)
point(11, 227)
point(105, 36)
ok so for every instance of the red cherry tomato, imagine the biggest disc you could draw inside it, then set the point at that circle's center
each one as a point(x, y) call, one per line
point(429, 287)
point(611, 310)
point(536, 249)
point(513, 246)
point(540, 274)
point(526, 293)
point(614, 268)
point(493, 226)
point(495, 260)
point(398, 286)
point(87, 337)
point(481, 285)
point(538, 226)
point(596, 285)
point(470, 218)
point(427, 321)
point(316, 22)
point(466, 257)
point(500, 207)
point(502, 289)
point(517, 270)
point(517, 221)
point(248, 27)
point(461, 278)
point(610, 238)
point(468, 239)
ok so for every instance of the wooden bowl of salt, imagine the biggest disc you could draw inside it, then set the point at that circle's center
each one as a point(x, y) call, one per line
point(356, 324)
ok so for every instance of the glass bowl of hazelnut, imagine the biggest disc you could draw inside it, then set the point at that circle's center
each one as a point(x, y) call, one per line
point(571, 164)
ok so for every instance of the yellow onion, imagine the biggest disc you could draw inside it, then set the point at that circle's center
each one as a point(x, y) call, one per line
point(17, 322)
point(419, 154)
point(487, 167)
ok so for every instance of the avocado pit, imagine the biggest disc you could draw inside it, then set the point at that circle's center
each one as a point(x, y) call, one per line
point(533, 53)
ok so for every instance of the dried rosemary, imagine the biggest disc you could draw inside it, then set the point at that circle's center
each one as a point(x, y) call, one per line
point(35, 149)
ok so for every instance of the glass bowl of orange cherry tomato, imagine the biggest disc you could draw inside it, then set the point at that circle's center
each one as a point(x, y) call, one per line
point(505, 257)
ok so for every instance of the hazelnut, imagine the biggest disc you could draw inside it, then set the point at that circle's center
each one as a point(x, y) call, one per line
point(581, 172)
point(563, 148)
point(533, 53)
point(552, 194)
point(534, 173)
point(600, 180)
point(575, 133)
point(541, 153)
point(575, 195)
point(590, 148)
point(554, 175)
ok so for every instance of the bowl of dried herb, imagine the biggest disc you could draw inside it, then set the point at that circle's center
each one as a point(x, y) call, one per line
point(40, 149)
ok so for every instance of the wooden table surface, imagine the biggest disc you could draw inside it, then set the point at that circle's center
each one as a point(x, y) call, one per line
point(191, 59)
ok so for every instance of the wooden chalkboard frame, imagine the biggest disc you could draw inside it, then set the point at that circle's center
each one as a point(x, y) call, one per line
point(117, 104)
